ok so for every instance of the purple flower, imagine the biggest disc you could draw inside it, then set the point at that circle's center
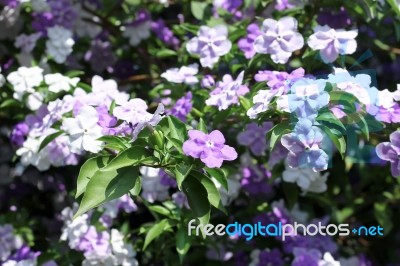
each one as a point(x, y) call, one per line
point(279, 80)
point(278, 154)
point(95, 241)
point(210, 148)
point(255, 181)
point(10, 3)
point(283, 4)
point(182, 107)
point(180, 199)
point(279, 39)
point(19, 133)
point(246, 44)
point(166, 180)
point(100, 56)
point(304, 147)
point(390, 151)
point(42, 21)
point(164, 33)
point(306, 257)
point(207, 81)
point(64, 13)
point(254, 137)
point(231, 6)
point(339, 19)
point(332, 42)
point(210, 44)
point(388, 114)
point(227, 92)
point(24, 253)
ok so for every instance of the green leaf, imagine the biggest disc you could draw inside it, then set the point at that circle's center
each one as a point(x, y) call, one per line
point(176, 143)
point(160, 209)
point(129, 157)
point(198, 9)
point(181, 171)
point(107, 185)
point(115, 141)
point(346, 99)
point(182, 242)
point(135, 191)
point(49, 139)
point(177, 129)
point(219, 175)
point(197, 198)
point(87, 170)
point(338, 141)
point(155, 231)
point(276, 133)
point(165, 53)
point(359, 120)
point(202, 126)
point(9, 103)
point(158, 229)
point(74, 73)
point(213, 194)
point(329, 119)
point(245, 103)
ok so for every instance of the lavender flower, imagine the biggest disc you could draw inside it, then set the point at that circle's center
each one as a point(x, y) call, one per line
point(283, 5)
point(182, 107)
point(255, 181)
point(185, 74)
point(276, 79)
point(8, 241)
point(246, 44)
point(139, 29)
point(19, 133)
point(304, 147)
point(227, 92)
point(332, 42)
point(27, 42)
point(306, 179)
point(210, 148)
point(207, 81)
point(63, 12)
point(390, 151)
point(42, 21)
point(210, 44)
point(306, 257)
point(254, 137)
point(60, 42)
point(164, 33)
point(279, 39)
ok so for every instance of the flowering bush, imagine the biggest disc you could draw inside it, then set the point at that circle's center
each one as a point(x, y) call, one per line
point(122, 122)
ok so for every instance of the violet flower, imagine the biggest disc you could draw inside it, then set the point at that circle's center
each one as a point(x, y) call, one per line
point(254, 137)
point(279, 39)
point(390, 151)
point(210, 44)
point(246, 44)
point(182, 107)
point(210, 148)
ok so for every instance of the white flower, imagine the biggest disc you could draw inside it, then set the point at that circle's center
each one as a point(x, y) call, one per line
point(60, 42)
point(84, 131)
point(396, 94)
point(262, 101)
point(328, 260)
point(24, 80)
point(58, 82)
point(185, 74)
point(2, 79)
point(152, 189)
point(352, 261)
point(385, 99)
point(30, 155)
point(106, 91)
point(73, 229)
point(123, 252)
point(39, 5)
point(34, 101)
point(28, 262)
point(137, 33)
point(27, 42)
point(306, 179)
point(94, 259)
